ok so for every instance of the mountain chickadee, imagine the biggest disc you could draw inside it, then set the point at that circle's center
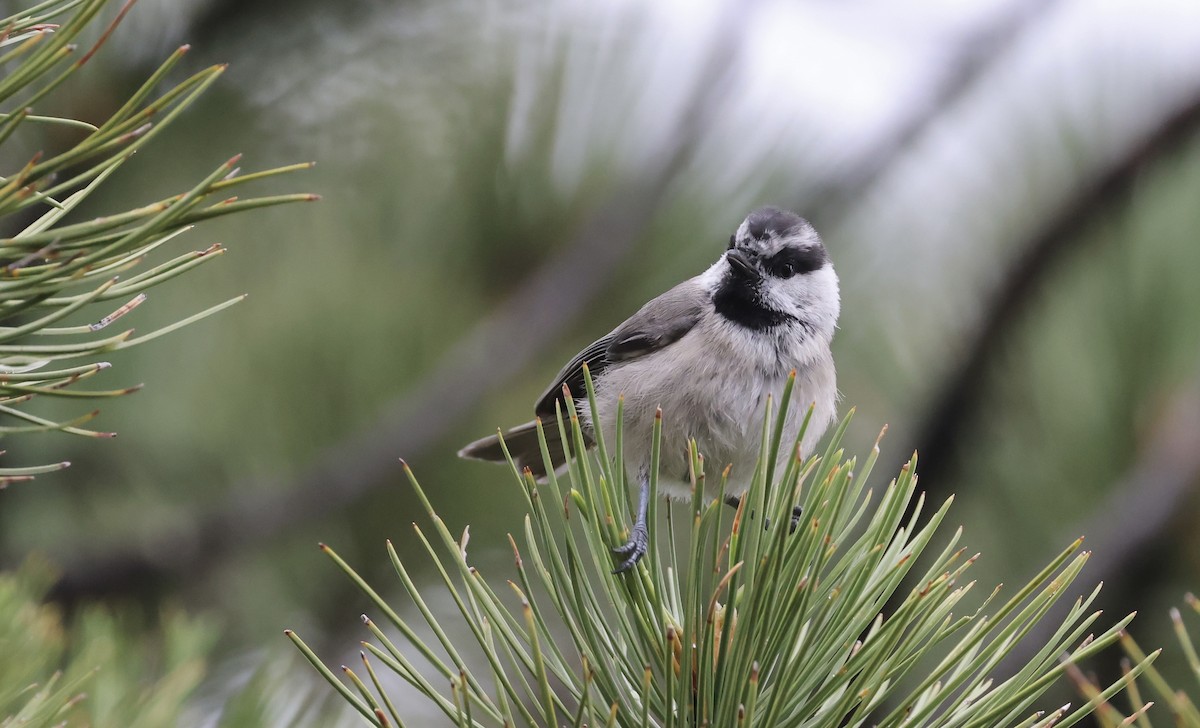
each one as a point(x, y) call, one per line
point(708, 352)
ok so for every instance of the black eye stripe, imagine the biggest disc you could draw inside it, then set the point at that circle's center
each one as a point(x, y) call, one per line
point(791, 261)
point(731, 241)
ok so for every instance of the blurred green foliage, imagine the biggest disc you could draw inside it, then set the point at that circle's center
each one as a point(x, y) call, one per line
point(94, 668)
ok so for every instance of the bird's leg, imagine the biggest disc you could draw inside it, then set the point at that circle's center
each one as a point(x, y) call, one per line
point(797, 511)
point(639, 540)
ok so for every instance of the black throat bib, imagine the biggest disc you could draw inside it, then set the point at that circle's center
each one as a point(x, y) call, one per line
point(740, 302)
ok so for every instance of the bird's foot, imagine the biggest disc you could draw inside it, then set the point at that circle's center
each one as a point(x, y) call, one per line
point(639, 537)
point(633, 550)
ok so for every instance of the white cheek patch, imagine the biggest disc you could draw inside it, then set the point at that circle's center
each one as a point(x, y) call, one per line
point(810, 297)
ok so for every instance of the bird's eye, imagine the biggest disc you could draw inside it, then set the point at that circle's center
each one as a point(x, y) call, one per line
point(792, 261)
point(731, 240)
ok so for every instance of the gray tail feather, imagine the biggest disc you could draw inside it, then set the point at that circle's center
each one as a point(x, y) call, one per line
point(522, 444)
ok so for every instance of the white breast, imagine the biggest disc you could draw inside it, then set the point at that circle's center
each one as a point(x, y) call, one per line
point(712, 385)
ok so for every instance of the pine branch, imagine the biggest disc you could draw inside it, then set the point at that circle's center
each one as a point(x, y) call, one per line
point(749, 623)
point(53, 270)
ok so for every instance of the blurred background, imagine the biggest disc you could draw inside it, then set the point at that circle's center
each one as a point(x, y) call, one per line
point(1009, 191)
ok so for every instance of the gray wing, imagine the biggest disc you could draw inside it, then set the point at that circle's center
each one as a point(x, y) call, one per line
point(595, 356)
point(660, 323)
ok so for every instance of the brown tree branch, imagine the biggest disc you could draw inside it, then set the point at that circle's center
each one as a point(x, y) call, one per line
point(957, 406)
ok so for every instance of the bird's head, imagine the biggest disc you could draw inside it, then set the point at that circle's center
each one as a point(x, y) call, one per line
point(776, 271)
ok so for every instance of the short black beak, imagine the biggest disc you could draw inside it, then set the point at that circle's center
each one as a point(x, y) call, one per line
point(742, 264)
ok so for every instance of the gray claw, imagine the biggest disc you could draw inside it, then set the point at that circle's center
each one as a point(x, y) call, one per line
point(632, 551)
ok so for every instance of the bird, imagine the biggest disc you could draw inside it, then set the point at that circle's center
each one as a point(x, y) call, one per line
point(706, 354)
